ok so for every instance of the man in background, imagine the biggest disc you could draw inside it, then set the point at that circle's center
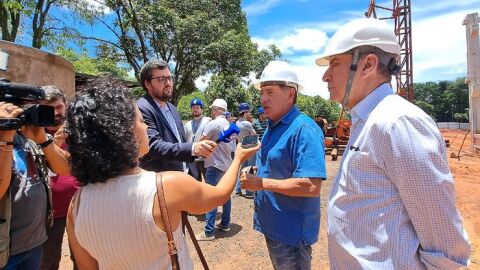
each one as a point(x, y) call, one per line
point(246, 129)
point(261, 123)
point(63, 186)
point(216, 165)
point(194, 129)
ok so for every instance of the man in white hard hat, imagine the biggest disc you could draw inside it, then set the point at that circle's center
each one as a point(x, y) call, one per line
point(216, 165)
point(392, 205)
point(291, 167)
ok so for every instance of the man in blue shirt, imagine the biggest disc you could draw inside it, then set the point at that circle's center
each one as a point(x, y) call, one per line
point(291, 166)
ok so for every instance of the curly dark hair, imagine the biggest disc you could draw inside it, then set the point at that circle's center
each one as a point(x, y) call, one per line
point(100, 128)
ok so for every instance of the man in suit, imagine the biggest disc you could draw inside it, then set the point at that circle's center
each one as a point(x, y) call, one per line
point(169, 150)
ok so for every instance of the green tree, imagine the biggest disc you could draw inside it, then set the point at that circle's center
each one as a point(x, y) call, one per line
point(442, 100)
point(195, 37)
point(92, 66)
point(230, 88)
point(37, 21)
point(312, 106)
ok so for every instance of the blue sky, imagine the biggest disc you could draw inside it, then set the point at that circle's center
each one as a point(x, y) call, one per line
point(301, 29)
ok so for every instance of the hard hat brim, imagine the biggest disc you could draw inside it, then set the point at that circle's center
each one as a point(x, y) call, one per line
point(322, 61)
point(258, 86)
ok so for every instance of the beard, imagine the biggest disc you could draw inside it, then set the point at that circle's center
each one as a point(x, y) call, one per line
point(165, 95)
point(196, 114)
point(59, 119)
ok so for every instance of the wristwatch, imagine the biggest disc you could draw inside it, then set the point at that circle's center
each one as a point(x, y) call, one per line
point(47, 142)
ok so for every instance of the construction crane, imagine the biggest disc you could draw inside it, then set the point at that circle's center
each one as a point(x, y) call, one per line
point(400, 12)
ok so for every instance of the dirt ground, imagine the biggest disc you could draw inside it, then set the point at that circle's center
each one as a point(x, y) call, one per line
point(244, 248)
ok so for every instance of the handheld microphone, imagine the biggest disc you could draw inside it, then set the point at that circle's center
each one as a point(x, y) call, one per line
point(228, 134)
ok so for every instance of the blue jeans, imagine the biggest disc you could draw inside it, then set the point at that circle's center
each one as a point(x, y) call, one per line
point(27, 260)
point(286, 257)
point(238, 189)
point(212, 176)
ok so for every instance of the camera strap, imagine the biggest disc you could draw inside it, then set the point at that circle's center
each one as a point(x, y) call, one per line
point(42, 170)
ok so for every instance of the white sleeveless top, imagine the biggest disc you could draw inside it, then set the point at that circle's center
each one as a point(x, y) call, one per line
point(115, 224)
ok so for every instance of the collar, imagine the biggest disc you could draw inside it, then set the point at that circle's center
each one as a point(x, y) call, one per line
point(287, 118)
point(221, 116)
point(363, 109)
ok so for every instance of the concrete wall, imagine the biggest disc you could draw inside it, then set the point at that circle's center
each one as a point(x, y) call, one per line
point(33, 66)
point(452, 125)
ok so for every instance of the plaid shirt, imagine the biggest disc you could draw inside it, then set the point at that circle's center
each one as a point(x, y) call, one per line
point(392, 205)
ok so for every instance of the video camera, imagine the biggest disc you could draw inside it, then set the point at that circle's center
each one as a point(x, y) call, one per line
point(21, 95)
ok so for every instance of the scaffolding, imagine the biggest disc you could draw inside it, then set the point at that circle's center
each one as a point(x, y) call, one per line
point(400, 12)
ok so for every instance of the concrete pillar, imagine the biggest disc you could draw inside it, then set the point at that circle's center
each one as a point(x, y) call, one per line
point(473, 77)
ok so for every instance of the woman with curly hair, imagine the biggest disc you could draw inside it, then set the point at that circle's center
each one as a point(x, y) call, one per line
point(115, 222)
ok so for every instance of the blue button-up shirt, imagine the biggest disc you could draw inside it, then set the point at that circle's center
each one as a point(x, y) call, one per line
point(291, 148)
point(392, 205)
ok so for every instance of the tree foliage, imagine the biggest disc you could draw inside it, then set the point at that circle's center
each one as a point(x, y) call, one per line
point(313, 106)
point(195, 37)
point(444, 101)
point(36, 22)
point(92, 66)
point(183, 105)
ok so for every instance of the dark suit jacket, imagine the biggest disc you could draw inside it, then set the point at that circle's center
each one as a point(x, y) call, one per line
point(166, 152)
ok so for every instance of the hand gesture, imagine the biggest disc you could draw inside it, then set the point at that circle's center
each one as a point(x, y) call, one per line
point(245, 153)
point(8, 111)
point(60, 136)
point(250, 181)
point(204, 148)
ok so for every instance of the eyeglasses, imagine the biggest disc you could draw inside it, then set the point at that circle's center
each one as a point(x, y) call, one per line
point(162, 79)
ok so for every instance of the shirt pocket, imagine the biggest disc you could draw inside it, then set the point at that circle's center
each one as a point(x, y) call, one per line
point(363, 174)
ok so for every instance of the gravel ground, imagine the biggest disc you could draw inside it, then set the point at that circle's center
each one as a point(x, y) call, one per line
point(242, 247)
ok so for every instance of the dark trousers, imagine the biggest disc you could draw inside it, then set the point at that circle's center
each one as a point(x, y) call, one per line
point(201, 170)
point(52, 249)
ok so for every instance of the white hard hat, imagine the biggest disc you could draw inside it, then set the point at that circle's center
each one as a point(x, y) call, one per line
point(361, 32)
point(278, 72)
point(220, 103)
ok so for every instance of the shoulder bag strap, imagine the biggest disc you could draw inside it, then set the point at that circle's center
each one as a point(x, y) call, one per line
point(194, 240)
point(172, 249)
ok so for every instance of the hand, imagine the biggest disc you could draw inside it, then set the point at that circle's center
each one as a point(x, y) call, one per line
point(60, 136)
point(245, 153)
point(8, 111)
point(250, 181)
point(37, 134)
point(204, 148)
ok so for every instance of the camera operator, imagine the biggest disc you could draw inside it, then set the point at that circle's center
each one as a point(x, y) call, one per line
point(25, 156)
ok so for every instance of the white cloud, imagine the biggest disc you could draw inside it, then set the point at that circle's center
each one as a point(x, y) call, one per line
point(202, 82)
point(260, 7)
point(298, 40)
point(439, 47)
point(98, 5)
